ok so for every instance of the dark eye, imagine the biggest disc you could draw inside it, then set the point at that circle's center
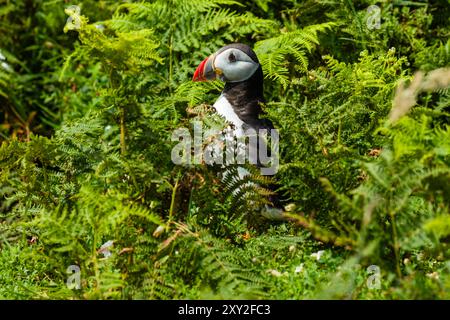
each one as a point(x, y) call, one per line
point(231, 57)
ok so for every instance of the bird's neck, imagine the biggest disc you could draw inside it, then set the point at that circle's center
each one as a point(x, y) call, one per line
point(251, 89)
point(246, 98)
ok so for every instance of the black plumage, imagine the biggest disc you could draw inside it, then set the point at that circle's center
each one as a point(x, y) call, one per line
point(241, 103)
point(247, 97)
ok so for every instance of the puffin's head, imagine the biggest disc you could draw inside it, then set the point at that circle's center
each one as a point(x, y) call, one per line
point(236, 62)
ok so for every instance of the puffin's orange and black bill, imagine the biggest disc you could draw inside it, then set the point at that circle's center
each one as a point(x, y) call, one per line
point(205, 70)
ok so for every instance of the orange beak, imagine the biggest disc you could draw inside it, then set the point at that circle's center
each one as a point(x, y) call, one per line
point(205, 70)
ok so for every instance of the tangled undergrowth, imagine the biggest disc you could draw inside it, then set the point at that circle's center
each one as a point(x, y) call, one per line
point(87, 183)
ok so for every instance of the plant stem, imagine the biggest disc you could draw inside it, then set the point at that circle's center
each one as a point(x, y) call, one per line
point(171, 49)
point(172, 202)
point(123, 147)
point(95, 261)
point(170, 61)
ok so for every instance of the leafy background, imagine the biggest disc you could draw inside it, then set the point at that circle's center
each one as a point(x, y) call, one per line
point(86, 122)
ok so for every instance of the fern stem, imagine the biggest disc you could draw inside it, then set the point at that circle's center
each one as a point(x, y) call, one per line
point(170, 60)
point(113, 85)
point(171, 50)
point(190, 202)
point(95, 261)
point(28, 132)
point(123, 147)
point(172, 202)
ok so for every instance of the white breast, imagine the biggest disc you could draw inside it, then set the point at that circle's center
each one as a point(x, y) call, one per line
point(224, 108)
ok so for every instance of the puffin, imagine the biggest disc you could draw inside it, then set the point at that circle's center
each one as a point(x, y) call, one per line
point(240, 102)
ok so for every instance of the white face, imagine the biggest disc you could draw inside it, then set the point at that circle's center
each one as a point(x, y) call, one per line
point(233, 65)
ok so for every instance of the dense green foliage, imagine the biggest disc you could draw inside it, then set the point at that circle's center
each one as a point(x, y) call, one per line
point(89, 105)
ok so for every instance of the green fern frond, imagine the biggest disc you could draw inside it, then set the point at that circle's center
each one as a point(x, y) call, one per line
point(274, 52)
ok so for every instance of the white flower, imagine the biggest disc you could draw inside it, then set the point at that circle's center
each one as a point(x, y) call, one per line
point(299, 268)
point(274, 272)
point(318, 254)
point(433, 275)
point(159, 231)
point(292, 248)
point(100, 27)
point(6, 66)
point(2, 57)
